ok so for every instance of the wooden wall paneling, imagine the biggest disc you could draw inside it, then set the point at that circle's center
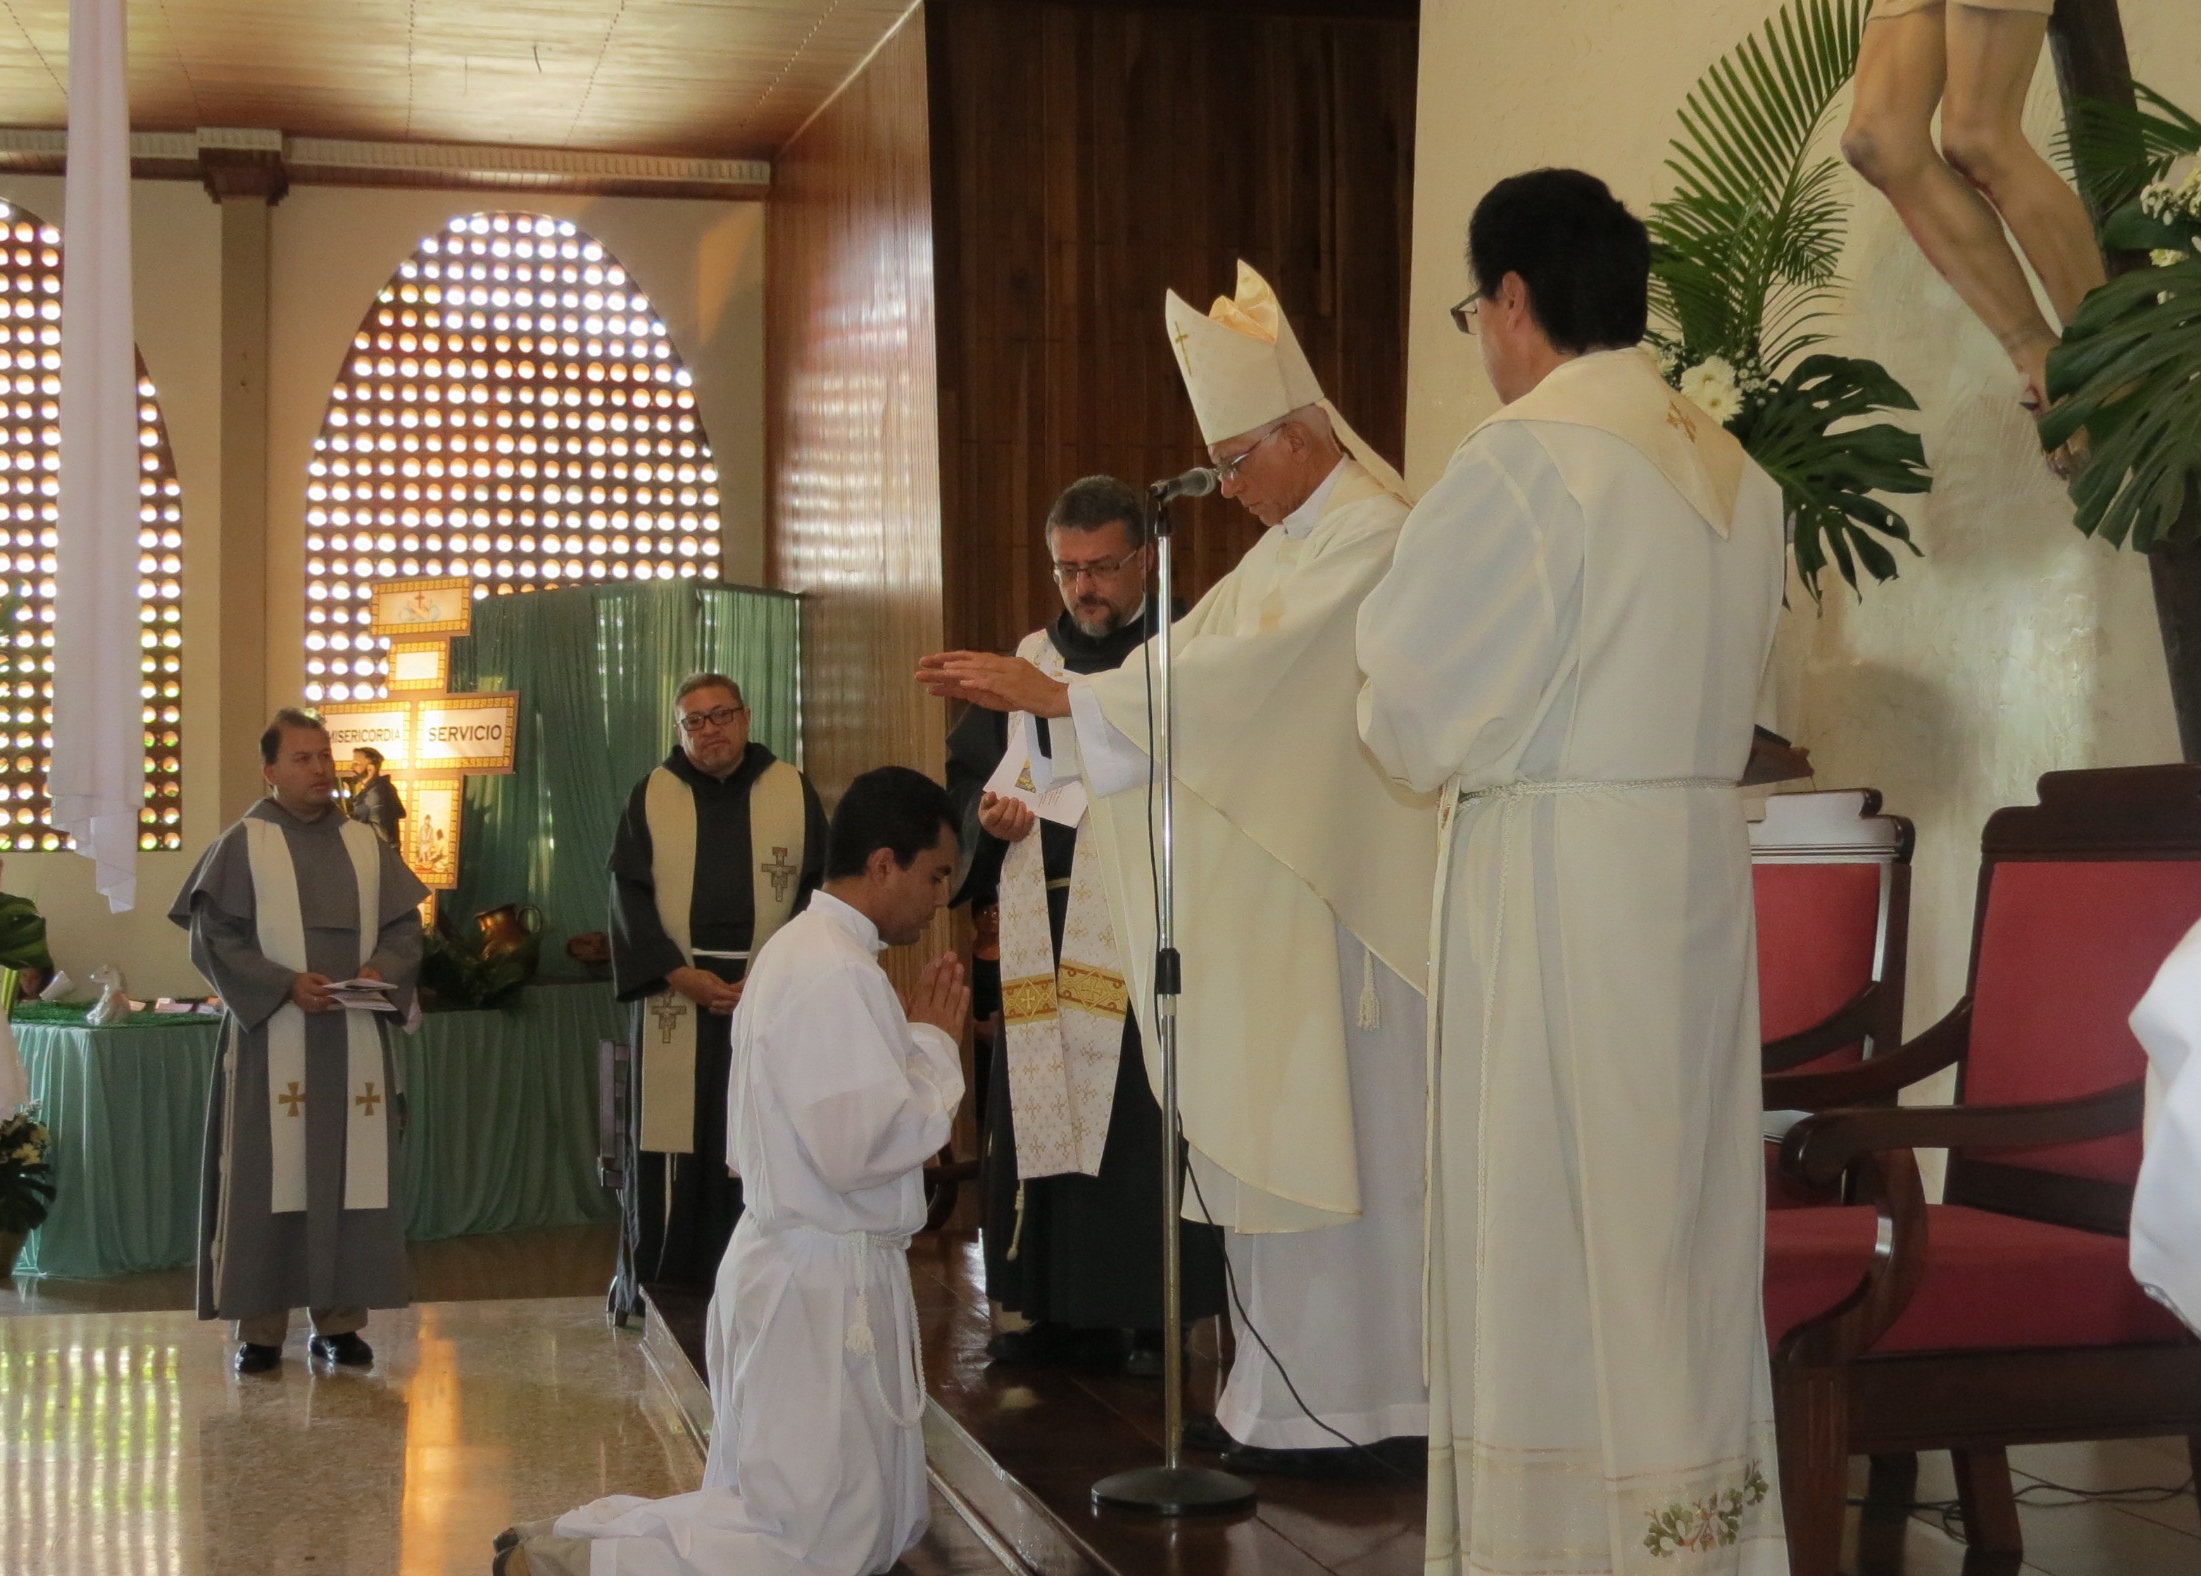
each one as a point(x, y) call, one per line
point(1085, 159)
point(854, 434)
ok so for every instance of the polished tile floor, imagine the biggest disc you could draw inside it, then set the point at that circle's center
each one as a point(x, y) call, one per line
point(129, 1448)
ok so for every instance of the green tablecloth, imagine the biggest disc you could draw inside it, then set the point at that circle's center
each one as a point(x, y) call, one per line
point(501, 1134)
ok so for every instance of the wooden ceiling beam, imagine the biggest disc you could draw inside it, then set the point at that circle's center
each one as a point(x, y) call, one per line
point(240, 160)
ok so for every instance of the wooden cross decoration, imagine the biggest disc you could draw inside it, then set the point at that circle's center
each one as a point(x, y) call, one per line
point(370, 1099)
point(294, 1097)
point(782, 872)
point(669, 1015)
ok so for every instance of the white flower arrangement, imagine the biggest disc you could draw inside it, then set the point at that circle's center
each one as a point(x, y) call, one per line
point(1711, 386)
point(2175, 199)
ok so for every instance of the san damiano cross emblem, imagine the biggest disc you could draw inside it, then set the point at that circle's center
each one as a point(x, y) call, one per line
point(781, 872)
point(669, 1015)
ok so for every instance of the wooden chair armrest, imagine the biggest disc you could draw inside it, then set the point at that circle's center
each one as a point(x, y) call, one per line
point(1941, 1046)
point(1820, 1148)
point(1848, 1024)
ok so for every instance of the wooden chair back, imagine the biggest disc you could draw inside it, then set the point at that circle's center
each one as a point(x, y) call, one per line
point(1832, 878)
point(2081, 897)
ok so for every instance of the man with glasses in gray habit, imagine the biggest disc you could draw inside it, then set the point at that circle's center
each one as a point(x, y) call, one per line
point(719, 847)
point(1073, 1133)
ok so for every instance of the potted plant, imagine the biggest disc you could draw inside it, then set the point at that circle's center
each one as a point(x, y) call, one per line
point(26, 1181)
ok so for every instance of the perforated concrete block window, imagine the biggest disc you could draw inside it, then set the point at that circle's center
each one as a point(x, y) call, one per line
point(512, 409)
point(30, 492)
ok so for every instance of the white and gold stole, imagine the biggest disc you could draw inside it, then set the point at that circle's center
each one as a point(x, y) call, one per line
point(776, 847)
point(282, 937)
point(1064, 1021)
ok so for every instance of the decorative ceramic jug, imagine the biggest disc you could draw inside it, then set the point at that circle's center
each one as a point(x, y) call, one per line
point(506, 929)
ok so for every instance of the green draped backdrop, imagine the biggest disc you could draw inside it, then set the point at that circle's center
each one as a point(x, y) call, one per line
point(595, 668)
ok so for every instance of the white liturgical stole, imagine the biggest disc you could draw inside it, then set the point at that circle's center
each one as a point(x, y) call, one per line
point(776, 827)
point(1064, 1021)
point(282, 936)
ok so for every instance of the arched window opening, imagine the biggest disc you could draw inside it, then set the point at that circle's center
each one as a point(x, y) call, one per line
point(511, 409)
point(30, 491)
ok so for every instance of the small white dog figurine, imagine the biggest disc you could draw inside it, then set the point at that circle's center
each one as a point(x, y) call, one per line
point(113, 1005)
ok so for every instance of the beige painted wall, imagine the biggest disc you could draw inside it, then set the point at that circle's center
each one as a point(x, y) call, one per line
point(701, 263)
point(2015, 646)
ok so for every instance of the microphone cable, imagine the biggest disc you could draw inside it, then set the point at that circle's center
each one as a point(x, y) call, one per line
point(1230, 1272)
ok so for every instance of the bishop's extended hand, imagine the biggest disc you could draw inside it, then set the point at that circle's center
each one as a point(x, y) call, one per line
point(994, 682)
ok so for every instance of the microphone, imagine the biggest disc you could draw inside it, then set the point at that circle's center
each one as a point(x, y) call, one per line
point(1195, 483)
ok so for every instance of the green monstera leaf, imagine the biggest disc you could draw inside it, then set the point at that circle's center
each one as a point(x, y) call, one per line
point(1827, 476)
point(2129, 373)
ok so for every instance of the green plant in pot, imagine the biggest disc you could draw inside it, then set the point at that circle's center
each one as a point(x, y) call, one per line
point(26, 1181)
point(1743, 264)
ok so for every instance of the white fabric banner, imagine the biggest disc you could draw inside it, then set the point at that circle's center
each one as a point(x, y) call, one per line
point(98, 770)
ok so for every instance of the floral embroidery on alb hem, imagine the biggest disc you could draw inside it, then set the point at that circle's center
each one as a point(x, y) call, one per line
point(1711, 1523)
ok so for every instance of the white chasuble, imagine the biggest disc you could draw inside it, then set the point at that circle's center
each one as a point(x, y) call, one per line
point(282, 938)
point(776, 826)
point(1064, 1020)
point(1570, 644)
point(1286, 828)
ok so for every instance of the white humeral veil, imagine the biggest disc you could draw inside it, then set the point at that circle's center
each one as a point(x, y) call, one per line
point(282, 936)
point(1571, 641)
point(2166, 1203)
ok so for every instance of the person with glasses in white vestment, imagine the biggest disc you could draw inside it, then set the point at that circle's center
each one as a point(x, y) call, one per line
point(1569, 647)
point(1302, 910)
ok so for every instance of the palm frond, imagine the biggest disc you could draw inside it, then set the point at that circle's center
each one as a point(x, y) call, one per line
point(2113, 150)
point(1756, 223)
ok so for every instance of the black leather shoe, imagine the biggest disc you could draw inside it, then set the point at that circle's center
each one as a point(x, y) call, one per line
point(253, 1359)
point(1205, 1433)
point(1344, 1464)
point(346, 1350)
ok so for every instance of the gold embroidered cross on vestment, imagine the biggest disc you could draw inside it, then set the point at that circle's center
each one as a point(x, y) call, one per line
point(781, 873)
point(370, 1099)
point(293, 1097)
point(669, 1015)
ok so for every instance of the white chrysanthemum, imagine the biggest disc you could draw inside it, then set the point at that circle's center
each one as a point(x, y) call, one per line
point(1710, 386)
point(2167, 256)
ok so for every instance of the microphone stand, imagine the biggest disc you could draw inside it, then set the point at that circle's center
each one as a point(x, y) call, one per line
point(1171, 1489)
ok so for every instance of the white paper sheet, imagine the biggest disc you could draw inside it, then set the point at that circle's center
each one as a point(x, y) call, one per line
point(1028, 776)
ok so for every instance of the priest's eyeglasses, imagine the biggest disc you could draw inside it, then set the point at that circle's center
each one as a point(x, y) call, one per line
point(724, 717)
point(1463, 314)
point(1069, 574)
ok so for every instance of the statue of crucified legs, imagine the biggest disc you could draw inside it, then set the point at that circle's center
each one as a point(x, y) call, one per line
point(1975, 60)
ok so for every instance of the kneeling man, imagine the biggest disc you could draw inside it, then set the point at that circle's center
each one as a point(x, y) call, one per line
point(837, 1099)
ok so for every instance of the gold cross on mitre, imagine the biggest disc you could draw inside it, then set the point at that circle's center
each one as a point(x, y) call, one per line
point(669, 1014)
point(370, 1099)
point(781, 873)
point(1183, 342)
point(294, 1097)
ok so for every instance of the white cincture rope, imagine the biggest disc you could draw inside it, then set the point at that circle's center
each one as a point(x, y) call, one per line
point(856, 1247)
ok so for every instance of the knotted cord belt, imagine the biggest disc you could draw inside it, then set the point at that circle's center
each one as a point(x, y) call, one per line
point(855, 1248)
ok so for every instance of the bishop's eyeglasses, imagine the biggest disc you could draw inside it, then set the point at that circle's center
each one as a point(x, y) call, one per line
point(723, 717)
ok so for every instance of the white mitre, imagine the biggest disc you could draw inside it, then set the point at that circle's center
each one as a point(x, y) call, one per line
point(1243, 368)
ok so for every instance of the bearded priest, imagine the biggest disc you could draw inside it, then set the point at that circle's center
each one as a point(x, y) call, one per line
point(1302, 907)
point(1570, 647)
point(302, 1187)
point(720, 846)
point(1073, 1231)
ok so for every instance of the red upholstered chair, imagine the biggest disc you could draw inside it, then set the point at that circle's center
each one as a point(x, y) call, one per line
point(1832, 877)
point(2005, 1315)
